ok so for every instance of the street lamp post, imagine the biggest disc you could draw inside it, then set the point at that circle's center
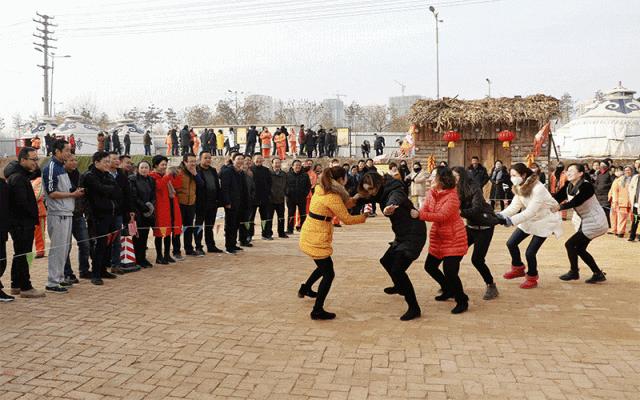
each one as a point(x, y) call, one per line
point(489, 84)
point(235, 92)
point(438, 20)
point(53, 60)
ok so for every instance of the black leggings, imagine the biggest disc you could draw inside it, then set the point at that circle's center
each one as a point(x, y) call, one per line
point(532, 250)
point(449, 280)
point(167, 245)
point(396, 263)
point(481, 240)
point(577, 247)
point(324, 270)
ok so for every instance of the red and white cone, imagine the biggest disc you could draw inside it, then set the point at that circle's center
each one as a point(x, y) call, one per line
point(127, 253)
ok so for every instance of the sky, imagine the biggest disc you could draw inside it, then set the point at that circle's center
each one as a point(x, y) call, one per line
point(179, 53)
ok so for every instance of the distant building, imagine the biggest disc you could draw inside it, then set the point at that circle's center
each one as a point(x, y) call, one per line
point(402, 104)
point(267, 105)
point(335, 108)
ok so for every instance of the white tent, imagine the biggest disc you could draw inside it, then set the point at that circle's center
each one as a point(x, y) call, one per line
point(611, 129)
point(76, 125)
point(128, 125)
point(45, 125)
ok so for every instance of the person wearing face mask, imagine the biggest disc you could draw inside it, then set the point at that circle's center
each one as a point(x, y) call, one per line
point(603, 182)
point(417, 182)
point(588, 218)
point(447, 237)
point(532, 211)
point(500, 184)
point(620, 201)
point(317, 233)
point(557, 180)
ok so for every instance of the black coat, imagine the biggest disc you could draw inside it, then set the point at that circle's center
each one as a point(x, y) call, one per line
point(379, 143)
point(298, 185)
point(185, 137)
point(479, 175)
point(498, 191)
point(475, 209)
point(4, 209)
point(115, 141)
point(125, 203)
point(410, 233)
point(603, 185)
point(209, 194)
point(252, 136)
point(233, 187)
point(278, 186)
point(22, 201)
point(102, 193)
point(142, 191)
point(263, 181)
point(127, 139)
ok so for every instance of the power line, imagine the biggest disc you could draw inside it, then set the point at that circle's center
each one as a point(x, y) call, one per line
point(307, 14)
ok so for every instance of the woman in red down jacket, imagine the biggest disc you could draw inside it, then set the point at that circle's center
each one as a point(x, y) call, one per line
point(168, 218)
point(447, 237)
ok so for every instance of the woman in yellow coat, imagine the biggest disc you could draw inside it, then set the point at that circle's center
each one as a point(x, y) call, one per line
point(316, 236)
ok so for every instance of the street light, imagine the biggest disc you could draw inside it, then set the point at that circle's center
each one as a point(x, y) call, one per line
point(53, 60)
point(489, 83)
point(438, 20)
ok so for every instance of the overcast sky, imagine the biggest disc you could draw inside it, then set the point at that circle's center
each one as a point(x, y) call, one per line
point(181, 53)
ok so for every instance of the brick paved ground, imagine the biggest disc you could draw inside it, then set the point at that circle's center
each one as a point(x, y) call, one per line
point(232, 327)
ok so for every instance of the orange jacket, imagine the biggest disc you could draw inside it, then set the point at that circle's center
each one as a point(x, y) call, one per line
point(281, 140)
point(265, 139)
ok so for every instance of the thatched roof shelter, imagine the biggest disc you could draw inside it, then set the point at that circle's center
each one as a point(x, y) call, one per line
point(451, 113)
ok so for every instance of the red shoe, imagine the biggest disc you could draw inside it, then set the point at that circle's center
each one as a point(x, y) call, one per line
point(516, 272)
point(530, 282)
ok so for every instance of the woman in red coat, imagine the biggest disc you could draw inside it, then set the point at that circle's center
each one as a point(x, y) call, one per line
point(168, 218)
point(447, 237)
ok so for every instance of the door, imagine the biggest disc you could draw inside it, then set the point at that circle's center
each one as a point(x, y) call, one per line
point(503, 154)
point(456, 154)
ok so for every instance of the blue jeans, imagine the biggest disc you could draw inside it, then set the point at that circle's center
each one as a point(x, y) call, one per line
point(532, 250)
point(115, 246)
point(81, 234)
point(147, 149)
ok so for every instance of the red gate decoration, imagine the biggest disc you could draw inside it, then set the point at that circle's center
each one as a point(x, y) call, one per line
point(506, 137)
point(452, 137)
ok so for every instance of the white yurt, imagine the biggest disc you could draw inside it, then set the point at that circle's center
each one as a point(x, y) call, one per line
point(44, 125)
point(611, 129)
point(76, 125)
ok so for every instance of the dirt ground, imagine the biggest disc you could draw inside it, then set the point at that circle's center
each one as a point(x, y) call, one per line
point(232, 327)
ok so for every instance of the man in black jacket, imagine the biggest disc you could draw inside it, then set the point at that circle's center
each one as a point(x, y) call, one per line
point(378, 144)
point(321, 141)
point(478, 172)
point(103, 197)
point(127, 144)
point(252, 138)
point(185, 138)
point(120, 169)
point(278, 185)
point(297, 189)
point(22, 218)
point(146, 141)
point(208, 197)
point(233, 189)
point(262, 180)
point(115, 142)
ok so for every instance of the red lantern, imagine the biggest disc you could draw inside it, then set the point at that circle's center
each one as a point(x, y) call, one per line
point(452, 137)
point(506, 137)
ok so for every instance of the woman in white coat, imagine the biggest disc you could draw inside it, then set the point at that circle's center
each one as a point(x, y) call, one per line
point(589, 219)
point(418, 181)
point(532, 211)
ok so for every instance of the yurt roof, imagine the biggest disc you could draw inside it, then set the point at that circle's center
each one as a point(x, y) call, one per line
point(76, 125)
point(452, 112)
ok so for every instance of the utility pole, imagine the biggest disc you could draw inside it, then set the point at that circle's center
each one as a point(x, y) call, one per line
point(43, 25)
point(338, 96)
point(489, 83)
point(438, 20)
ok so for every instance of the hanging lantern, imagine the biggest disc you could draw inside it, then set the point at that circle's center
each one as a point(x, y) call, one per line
point(506, 137)
point(451, 137)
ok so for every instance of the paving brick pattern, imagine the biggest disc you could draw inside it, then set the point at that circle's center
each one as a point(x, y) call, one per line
point(232, 327)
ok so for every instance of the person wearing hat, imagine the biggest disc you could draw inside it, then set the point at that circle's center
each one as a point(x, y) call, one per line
point(143, 197)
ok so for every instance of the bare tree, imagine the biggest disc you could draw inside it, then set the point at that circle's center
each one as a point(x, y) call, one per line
point(198, 115)
point(17, 123)
point(151, 117)
point(376, 117)
point(102, 121)
point(353, 114)
point(309, 112)
point(2, 124)
point(226, 113)
point(84, 107)
point(171, 117)
point(398, 123)
point(566, 107)
point(253, 112)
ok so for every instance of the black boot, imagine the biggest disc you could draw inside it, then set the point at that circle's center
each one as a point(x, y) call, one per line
point(306, 291)
point(392, 290)
point(444, 296)
point(321, 314)
point(570, 276)
point(412, 312)
point(462, 305)
point(161, 261)
point(597, 277)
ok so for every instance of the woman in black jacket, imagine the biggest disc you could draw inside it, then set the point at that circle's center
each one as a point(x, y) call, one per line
point(143, 197)
point(410, 235)
point(481, 222)
point(500, 185)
